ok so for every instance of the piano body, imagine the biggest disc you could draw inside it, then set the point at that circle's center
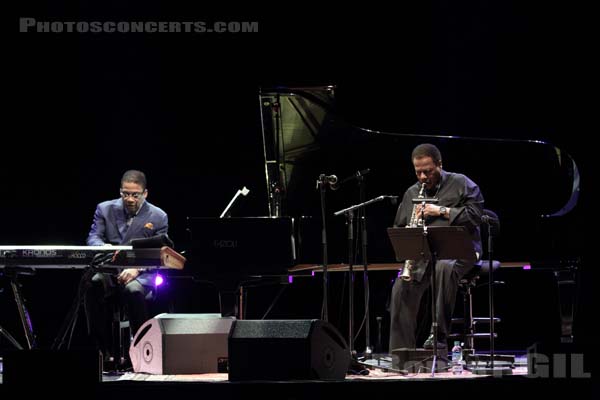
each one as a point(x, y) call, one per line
point(306, 134)
point(236, 253)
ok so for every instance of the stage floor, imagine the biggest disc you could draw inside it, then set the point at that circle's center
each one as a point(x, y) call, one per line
point(379, 367)
point(373, 375)
point(379, 380)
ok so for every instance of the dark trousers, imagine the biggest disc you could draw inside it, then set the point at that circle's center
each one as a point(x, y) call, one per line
point(101, 300)
point(406, 299)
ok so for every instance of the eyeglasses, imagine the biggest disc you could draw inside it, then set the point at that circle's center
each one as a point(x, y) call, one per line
point(135, 195)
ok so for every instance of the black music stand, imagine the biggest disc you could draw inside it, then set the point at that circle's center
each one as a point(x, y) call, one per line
point(68, 325)
point(227, 211)
point(432, 243)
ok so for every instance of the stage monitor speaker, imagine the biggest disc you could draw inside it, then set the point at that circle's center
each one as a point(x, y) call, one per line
point(286, 350)
point(181, 344)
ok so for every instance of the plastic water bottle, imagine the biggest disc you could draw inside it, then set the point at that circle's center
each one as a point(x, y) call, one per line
point(457, 358)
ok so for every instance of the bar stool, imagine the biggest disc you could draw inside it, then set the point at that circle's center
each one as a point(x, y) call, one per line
point(477, 277)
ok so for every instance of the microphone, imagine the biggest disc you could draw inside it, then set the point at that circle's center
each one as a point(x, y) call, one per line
point(333, 182)
point(356, 175)
point(393, 199)
point(363, 172)
point(330, 179)
point(492, 221)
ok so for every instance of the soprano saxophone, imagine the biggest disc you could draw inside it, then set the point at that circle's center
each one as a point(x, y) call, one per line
point(414, 222)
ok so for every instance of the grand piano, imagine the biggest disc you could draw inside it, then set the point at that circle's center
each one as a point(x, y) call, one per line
point(531, 184)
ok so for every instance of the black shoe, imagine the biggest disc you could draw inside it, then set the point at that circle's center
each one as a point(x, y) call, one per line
point(124, 365)
point(429, 344)
point(109, 366)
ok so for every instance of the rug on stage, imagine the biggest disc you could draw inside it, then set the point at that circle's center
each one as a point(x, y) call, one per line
point(374, 374)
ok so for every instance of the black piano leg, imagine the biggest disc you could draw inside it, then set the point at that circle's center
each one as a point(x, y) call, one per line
point(566, 280)
point(228, 303)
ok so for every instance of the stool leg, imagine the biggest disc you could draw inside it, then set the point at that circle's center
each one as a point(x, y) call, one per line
point(125, 337)
point(469, 328)
point(114, 347)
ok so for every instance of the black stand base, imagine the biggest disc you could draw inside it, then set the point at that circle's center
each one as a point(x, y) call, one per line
point(356, 367)
point(418, 360)
point(501, 359)
point(496, 371)
point(480, 364)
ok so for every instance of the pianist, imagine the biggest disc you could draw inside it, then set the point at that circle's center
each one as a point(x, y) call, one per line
point(117, 222)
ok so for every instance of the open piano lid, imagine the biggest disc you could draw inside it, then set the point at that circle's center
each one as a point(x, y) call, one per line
point(532, 185)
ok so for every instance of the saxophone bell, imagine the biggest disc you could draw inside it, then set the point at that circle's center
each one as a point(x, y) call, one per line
point(414, 222)
point(406, 274)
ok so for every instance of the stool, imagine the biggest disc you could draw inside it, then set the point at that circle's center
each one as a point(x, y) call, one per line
point(121, 337)
point(121, 330)
point(476, 277)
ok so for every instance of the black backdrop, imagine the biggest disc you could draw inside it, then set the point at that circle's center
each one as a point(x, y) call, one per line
point(183, 107)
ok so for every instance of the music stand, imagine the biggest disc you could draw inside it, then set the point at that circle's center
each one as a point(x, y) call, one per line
point(152, 242)
point(244, 192)
point(432, 243)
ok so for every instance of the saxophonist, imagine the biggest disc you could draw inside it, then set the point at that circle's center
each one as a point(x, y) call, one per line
point(459, 203)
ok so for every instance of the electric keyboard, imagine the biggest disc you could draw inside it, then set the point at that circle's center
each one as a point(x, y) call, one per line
point(77, 257)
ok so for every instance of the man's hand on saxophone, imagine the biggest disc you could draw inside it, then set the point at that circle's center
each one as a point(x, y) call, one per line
point(432, 210)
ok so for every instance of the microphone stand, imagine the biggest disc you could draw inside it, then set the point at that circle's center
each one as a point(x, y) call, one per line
point(491, 292)
point(363, 238)
point(322, 184)
point(349, 219)
point(433, 261)
point(349, 213)
point(434, 323)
